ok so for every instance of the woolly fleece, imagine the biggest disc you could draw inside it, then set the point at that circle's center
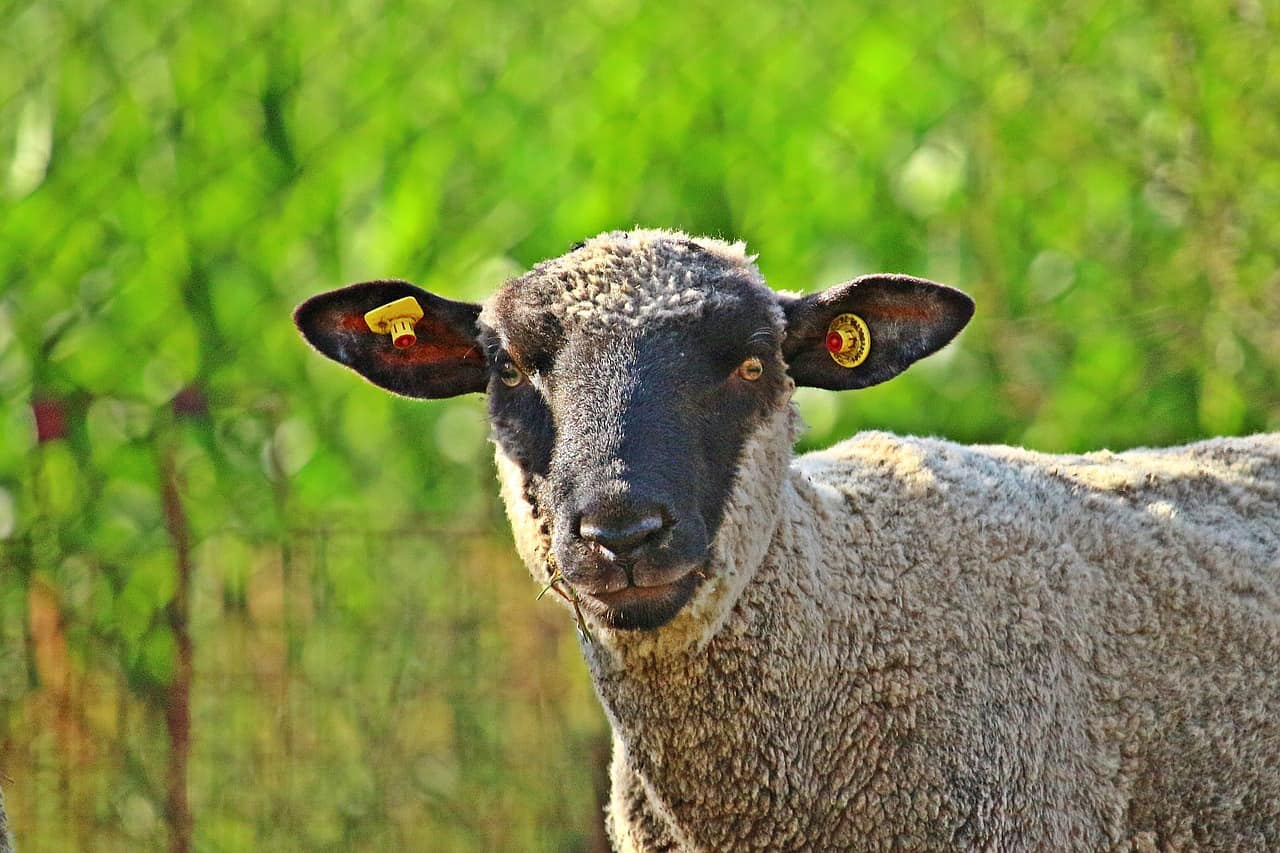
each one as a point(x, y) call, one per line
point(630, 279)
point(910, 643)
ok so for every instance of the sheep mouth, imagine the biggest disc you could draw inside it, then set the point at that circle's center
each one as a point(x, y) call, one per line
point(642, 607)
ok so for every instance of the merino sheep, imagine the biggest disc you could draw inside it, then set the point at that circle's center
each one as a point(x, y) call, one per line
point(893, 643)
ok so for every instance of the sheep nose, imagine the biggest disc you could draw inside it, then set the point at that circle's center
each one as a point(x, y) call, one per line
point(621, 533)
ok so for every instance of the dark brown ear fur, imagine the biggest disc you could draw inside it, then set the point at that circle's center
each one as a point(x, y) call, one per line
point(445, 361)
point(908, 318)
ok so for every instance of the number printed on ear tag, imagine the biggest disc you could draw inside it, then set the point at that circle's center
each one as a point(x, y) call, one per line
point(396, 319)
point(848, 340)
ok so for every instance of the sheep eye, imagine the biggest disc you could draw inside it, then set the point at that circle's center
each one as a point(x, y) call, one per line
point(510, 375)
point(750, 369)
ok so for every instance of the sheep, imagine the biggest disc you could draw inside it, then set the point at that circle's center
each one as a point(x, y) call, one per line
point(892, 643)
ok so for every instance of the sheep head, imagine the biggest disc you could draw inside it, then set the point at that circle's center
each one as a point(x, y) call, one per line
point(624, 380)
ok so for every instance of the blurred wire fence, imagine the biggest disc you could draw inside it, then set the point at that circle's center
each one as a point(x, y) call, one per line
point(349, 692)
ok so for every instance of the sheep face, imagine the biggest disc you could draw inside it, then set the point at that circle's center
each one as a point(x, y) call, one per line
point(623, 380)
point(628, 433)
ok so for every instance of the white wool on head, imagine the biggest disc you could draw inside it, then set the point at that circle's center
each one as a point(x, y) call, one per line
point(533, 541)
point(632, 279)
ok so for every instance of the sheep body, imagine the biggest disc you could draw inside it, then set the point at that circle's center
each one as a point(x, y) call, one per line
point(894, 643)
point(952, 646)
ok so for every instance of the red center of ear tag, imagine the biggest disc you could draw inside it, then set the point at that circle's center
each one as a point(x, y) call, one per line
point(848, 340)
point(396, 319)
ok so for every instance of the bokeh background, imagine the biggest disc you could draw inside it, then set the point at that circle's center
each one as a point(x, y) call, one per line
point(248, 602)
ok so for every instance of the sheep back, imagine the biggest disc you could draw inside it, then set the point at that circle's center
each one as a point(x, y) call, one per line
point(1134, 597)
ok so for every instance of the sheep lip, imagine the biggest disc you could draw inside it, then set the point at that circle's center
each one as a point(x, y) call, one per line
point(629, 595)
point(642, 607)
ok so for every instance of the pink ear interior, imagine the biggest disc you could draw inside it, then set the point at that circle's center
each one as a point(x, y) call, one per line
point(443, 360)
point(436, 343)
point(908, 318)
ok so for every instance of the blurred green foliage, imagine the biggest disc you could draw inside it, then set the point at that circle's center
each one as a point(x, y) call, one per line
point(370, 669)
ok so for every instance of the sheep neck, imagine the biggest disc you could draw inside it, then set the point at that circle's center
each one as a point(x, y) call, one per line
point(689, 721)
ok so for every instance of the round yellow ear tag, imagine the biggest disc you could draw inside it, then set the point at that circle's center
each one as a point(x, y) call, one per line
point(848, 340)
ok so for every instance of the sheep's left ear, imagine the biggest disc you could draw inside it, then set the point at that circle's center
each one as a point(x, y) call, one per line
point(904, 319)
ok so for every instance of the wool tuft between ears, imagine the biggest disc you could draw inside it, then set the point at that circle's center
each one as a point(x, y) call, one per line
point(907, 319)
point(445, 359)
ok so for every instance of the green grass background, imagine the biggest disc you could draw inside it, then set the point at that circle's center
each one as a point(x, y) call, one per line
point(371, 671)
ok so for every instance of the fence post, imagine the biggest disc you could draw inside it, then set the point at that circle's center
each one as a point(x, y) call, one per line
point(178, 700)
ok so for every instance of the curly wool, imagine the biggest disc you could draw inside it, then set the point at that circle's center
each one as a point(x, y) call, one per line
point(941, 646)
point(632, 279)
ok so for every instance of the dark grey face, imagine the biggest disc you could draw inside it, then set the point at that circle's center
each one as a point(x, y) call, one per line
point(629, 441)
point(628, 425)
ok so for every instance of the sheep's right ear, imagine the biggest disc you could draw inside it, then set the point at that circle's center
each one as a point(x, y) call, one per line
point(442, 358)
point(896, 321)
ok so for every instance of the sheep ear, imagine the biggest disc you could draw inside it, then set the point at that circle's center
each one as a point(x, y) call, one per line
point(440, 358)
point(902, 319)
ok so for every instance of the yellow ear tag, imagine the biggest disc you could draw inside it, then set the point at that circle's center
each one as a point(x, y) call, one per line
point(848, 340)
point(397, 320)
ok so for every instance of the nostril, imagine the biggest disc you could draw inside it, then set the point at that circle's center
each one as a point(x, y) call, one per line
point(620, 535)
